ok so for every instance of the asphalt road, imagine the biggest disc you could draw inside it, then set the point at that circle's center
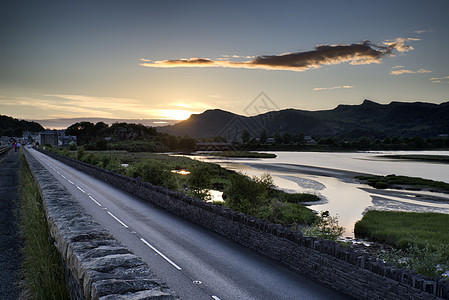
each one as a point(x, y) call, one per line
point(196, 263)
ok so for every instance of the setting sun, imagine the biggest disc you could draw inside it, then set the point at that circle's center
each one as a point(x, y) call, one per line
point(174, 114)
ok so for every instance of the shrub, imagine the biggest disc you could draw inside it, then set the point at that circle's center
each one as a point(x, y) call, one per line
point(245, 195)
point(325, 227)
point(154, 172)
point(287, 214)
point(200, 181)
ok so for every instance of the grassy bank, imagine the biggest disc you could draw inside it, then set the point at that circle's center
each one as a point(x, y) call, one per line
point(420, 240)
point(43, 268)
point(244, 154)
point(426, 158)
point(404, 182)
point(400, 229)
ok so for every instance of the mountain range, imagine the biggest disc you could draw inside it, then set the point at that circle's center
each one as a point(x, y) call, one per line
point(371, 119)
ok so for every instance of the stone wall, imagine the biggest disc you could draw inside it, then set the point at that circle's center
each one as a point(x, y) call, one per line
point(350, 270)
point(97, 265)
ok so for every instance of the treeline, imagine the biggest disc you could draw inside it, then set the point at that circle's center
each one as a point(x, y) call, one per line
point(300, 142)
point(388, 143)
point(127, 136)
point(14, 128)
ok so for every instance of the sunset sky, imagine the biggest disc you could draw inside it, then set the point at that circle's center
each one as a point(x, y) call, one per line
point(167, 59)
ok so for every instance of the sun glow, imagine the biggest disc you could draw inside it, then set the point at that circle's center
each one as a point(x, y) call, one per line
point(174, 114)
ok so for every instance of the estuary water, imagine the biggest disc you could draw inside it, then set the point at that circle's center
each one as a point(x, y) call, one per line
point(331, 176)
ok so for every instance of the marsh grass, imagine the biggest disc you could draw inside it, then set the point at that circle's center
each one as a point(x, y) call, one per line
point(421, 239)
point(244, 154)
point(427, 158)
point(394, 181)
point(43, 266)
point(400, 229)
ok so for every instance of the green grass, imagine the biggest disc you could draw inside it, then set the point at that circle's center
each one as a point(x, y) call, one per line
point(43, 265)
point(414, 183)
point(399, 229)
point(244, 154)
point(427, 158)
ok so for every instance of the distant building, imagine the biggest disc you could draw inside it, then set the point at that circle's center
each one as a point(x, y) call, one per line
point(309, 140)
point(65, 140)
point(48, 137)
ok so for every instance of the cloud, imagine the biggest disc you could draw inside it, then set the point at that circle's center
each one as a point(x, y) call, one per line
point(439, 79)
point(354, 54)
point(400, 44)
point(420, 31)
point(404, 71)
point(334, 88)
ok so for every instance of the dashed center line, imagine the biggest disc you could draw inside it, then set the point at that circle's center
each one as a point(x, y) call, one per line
point(81, 189)
point(91, 198)
point(124, 225)
point(161, 254)
point(215, 298)
point(118, 220)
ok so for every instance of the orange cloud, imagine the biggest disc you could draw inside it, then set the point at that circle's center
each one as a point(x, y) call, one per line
point(404, 71)
point(439, 79)
point(354, 54)
point(334, 88)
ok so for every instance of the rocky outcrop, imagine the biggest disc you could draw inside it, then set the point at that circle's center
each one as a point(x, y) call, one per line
point(97, 265)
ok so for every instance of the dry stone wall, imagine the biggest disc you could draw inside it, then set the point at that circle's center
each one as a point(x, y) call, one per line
point(97, 265)
point(351, 270)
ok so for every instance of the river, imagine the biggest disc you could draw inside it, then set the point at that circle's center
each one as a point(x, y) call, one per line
point(330, 176)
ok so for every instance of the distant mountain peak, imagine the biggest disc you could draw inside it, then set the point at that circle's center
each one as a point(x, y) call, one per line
point(368, 102)
point(369, 118)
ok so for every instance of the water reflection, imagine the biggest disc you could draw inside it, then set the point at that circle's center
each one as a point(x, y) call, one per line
point(330, 176)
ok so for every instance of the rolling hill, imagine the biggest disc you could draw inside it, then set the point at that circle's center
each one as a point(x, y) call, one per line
point(369, 119)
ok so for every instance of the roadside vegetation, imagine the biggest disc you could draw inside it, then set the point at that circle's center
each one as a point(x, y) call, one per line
point(254, 196)
point(43, 266)
point(404, 182)
point(420, 240)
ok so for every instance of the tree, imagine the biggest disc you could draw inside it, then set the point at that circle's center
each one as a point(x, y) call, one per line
point(245, 136)
point(263, 137)
point(287, 138)
point(277, 138)
point(187, 143)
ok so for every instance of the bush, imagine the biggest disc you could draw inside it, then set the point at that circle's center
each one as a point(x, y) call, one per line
point(325, 227)
point(246, 195)
point(298, 197)
point(154, 172)
point(287, 214)
point(431, 260)
point(200, 181)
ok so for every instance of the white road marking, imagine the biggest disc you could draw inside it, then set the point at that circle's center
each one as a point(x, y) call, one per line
point(81, 189)
point(70, 181)
point(215, 298)
point(118, 220)
point(91, 198)
point(161, 254)
point(63, 176)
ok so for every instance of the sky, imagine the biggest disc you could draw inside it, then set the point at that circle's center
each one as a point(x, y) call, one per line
point(167, 59)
